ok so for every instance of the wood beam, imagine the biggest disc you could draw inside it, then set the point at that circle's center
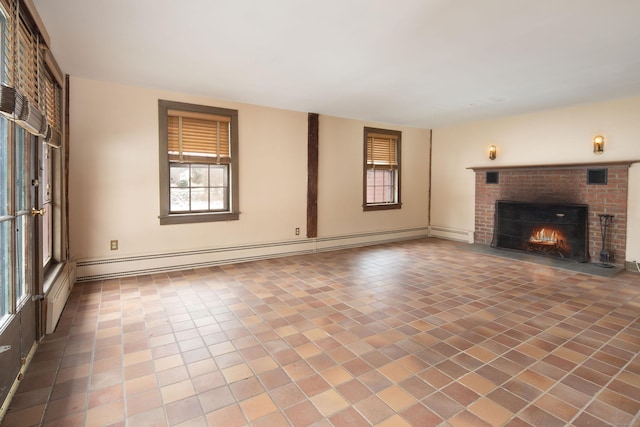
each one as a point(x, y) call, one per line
point(312, 176)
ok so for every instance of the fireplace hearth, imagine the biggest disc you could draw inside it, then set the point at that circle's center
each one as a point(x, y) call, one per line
point(552, 230)
point(558, 184)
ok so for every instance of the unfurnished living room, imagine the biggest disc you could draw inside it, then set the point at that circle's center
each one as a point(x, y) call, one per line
point(338, 213)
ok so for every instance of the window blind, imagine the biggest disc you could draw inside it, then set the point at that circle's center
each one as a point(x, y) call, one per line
point(198, 137)
point(26, 63)
point(23, 89)
point(382, 151)
point(7, 34)
point(53, 102)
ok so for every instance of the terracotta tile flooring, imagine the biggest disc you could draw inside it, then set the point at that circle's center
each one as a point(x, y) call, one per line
point(419, 333)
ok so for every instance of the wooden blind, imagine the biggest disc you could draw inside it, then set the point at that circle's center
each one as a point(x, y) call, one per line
point(24, 71)
point(52, 102)
point(198, 137)
point(382, 151)
point(53, 108)
point(8, 13)
point(26, 63)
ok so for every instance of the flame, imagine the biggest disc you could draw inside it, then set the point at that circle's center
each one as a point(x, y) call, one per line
point(548, 240)
point(544, 236)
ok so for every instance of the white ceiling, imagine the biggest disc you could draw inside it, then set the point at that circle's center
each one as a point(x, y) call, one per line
point(423, 63)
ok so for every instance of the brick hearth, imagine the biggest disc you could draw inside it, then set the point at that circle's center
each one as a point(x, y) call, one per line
point(561, 184)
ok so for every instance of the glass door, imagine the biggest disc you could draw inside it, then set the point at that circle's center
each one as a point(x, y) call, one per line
point(23, 218)
point(28, 224)
point(20, 254)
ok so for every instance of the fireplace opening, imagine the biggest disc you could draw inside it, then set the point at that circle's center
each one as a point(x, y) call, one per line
point(548, 240)
point(553, 230)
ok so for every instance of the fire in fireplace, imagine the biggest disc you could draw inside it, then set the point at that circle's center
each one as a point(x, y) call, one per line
point(548, 240)
point(543, 229)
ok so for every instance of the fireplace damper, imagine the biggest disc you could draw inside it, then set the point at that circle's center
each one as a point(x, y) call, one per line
point(554, 230)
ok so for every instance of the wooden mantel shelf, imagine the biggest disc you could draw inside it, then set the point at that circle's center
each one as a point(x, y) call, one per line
point(626, 163)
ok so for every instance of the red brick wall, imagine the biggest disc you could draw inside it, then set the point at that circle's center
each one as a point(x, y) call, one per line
point(547, 185)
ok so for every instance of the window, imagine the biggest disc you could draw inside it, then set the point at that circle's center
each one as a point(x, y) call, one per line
point(31, 164)
point(381, 169)
point(23, 203)
point(50, 159)
point(6, 221)
point(198, 163)
point(45, 188)
point(16, 228)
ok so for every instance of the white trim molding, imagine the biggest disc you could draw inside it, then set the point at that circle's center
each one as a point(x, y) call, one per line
point(16, 383)
point(100, 269)
point(451, 234)
point(58, 293)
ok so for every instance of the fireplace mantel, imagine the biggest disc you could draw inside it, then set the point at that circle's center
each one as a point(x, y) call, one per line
point(558, 166)
point(567, 183)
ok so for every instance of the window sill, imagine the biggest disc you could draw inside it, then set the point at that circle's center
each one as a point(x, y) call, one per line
point(191, 218)
point(382, 207)
point(51, 275)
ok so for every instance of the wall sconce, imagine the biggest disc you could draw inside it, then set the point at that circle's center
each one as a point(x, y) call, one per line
point(492, 152)
point(598, 144)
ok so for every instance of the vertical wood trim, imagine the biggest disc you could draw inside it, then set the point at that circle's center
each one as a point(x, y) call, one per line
point(54, 67)
point(66, 146)
point(312, 176)
point(430, 164)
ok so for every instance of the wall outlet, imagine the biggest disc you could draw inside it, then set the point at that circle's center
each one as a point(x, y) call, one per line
point(114, 245)
point(297, 231)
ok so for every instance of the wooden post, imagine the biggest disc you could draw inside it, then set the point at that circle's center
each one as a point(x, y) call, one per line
point(312, 176)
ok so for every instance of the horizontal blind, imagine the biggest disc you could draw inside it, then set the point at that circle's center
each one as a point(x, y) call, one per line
point(382, 151)
point(53, 108)
point(198, 137)
point(23, 70)
point(26, 63)
point(9, 43)
point(52, 102)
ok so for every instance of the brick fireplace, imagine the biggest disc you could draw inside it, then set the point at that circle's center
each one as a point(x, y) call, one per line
point(602, 187)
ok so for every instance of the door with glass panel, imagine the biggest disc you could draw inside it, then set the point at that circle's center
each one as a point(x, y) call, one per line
point(26, 233)
point(31, 183)
point(20, 225)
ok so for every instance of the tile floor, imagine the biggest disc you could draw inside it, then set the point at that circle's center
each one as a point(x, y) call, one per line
point(420, 333)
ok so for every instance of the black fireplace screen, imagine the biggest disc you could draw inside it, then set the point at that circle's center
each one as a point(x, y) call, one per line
point(555, 230)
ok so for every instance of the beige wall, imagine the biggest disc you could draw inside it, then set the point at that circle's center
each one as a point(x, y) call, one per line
point(558, 136)
point(114, 184)
point(114, 177)
point(341, 179)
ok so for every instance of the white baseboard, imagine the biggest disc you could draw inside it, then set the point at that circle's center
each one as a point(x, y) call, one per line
point(451, 234)
point(100, 269)
point(14, 387)
point(58, 293)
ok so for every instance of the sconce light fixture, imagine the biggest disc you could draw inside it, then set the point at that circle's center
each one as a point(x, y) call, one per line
point(598, 144)
point(492, 152)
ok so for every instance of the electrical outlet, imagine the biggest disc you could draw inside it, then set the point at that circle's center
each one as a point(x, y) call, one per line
point(297, 231)
point(114, 245)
